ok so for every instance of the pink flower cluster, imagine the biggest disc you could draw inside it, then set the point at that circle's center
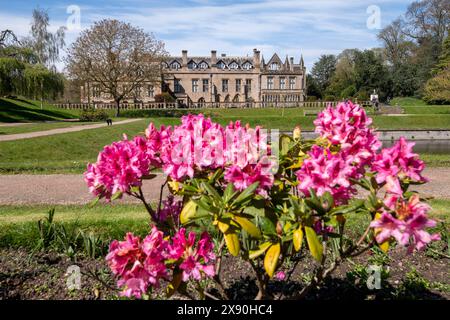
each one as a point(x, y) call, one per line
point(324, 171)
point(143, 264)
point(195, 145)
point(120, 166)
point(406, 224)
point(398, 163)
point(346, 127)
point(139, 264)
point(194, 258)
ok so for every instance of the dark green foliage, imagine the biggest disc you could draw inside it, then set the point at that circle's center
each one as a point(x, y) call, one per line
point(93, 115)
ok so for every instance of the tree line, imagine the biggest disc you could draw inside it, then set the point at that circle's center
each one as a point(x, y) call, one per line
point(414, 60)
point(27, 66)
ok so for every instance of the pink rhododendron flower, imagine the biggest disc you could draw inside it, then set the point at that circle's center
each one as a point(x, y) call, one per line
point(324, 171)
point(137, 263)
point(194, 259)
point(408, 225)
point(399, 162)
point(119, 167)
point(347, 126)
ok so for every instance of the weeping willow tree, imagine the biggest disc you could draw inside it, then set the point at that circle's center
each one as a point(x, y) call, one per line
point(11, 76)
point(41, 83)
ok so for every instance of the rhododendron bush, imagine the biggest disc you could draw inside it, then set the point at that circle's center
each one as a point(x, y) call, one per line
point(259, 196)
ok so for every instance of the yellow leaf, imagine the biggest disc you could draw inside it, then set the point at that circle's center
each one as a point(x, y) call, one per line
point(298, 238)
point(271, 259)
point(188, 212)
point(223, 227)
point(385, 245)
point(314, 244)
point(174, 186)
point(232, 242)
point(253, 254)
point(248, 226)
point(287, 226)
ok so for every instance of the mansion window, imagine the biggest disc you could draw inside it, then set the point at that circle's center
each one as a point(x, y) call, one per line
point(273, 66)
point(192, 65)
point(205, 85)
point(292, 83)
point(221, 65)
point(96, 91)
point(248, 85)
point(238, 85)
point(194, 85)
point(137, 92)
point(224, 85)
point(282, 83)
point(177, 86)
point(234, 66)
point(203, 65)
point(150, 91)
point(247, 65)
point(175, 65)
point(270, 83)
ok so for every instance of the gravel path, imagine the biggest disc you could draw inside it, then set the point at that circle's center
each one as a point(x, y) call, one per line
point(71, 189)
point(28, 135)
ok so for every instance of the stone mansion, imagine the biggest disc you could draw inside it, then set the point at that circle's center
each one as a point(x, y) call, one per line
point(223, 79)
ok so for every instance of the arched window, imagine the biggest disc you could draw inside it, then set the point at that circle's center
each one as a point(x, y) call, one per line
point(247, 66)
point(233, 66)
point(175, 65)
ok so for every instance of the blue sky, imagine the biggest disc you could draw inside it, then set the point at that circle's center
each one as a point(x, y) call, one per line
point(288, 27)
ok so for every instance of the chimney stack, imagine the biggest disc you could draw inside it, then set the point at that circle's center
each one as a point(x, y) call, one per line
point(291, 65)
point(256, 58)
point(184, 58)
point(213, 57)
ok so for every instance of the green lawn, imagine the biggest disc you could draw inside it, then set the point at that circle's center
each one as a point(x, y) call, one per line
point(18, 224)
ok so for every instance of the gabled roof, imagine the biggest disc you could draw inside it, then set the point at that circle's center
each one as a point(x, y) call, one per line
point(275, 58)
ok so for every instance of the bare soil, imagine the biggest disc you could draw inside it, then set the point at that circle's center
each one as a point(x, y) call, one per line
point(43, 276)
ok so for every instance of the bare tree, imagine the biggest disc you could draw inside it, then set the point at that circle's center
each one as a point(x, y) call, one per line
point(45, 44)
point(116, 56)
point(398, 47)
point(428, 19)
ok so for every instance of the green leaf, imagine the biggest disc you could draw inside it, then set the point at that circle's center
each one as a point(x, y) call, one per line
point(228, 193)
point(116, 195)
point(315, 247)
point(246, 194)
point(212, 192)
point(285, 144)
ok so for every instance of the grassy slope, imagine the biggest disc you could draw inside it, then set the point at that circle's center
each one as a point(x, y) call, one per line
point(21, 110)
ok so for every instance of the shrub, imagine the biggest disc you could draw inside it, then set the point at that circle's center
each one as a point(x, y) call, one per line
point(348, 92)
point(90, 115)
point(265, 207)
point(437, 89)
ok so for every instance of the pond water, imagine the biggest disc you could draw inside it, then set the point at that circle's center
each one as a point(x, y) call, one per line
point(427, 146)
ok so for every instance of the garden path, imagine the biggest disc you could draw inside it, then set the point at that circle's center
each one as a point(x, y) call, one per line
point(71, 188)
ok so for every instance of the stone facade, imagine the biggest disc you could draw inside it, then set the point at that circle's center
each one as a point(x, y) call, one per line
point(223, 79)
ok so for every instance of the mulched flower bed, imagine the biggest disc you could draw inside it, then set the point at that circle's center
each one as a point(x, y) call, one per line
point(43, 276)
